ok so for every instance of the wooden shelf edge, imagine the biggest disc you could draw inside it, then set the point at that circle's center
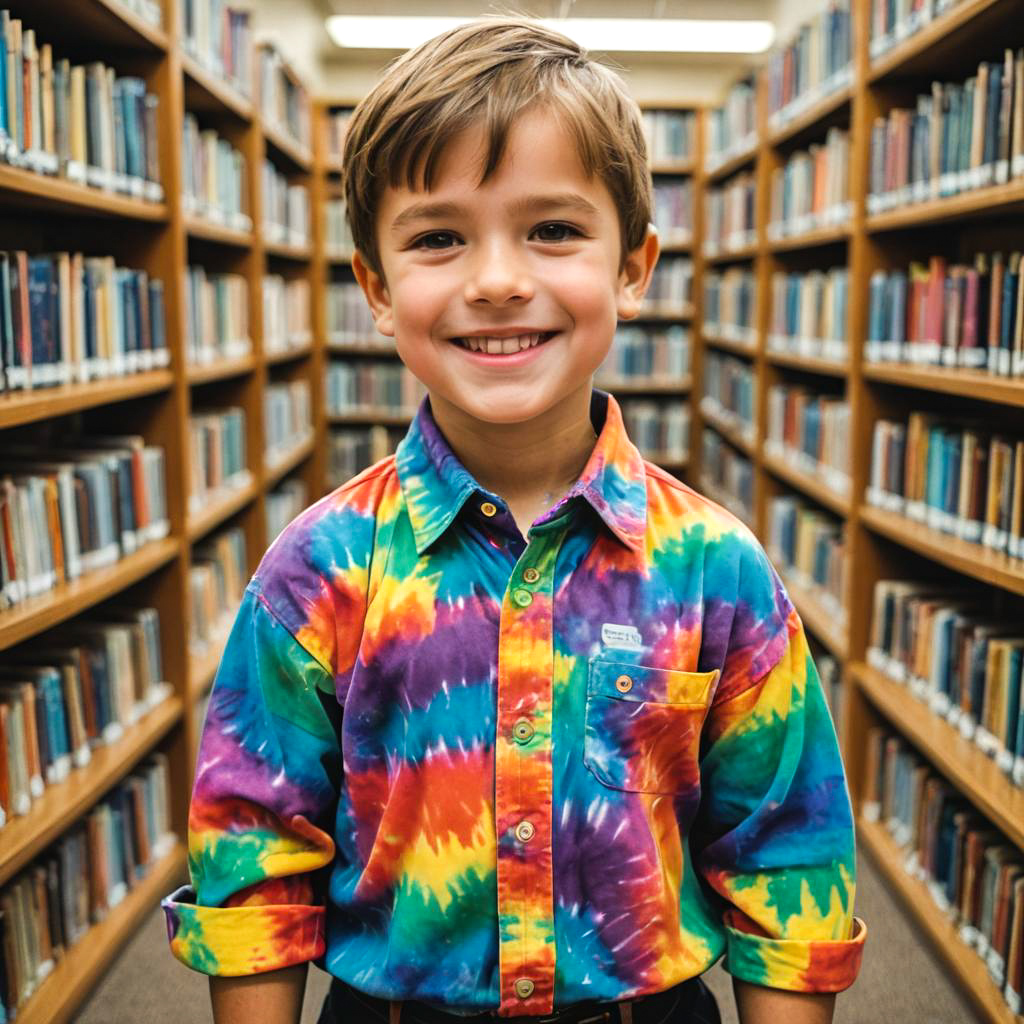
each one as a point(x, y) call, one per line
point(288, 355)
point(973, 773)
point(215, 514)
point(645, 385)
point(226, 95)
point(19, 407)
point(732, 165)
point(963, 963)
point(56, 606)
point(60, 996)
point(809, 118)
point(66, 802)
point(348, 349)
point(282, 466)
point(288, 147)
point(222, 369)
point(284, 251)
point(61, 194)
point(210, 231)
point(991, 199)
point(733, 436)
point(809, 364)
point(675, 313)
point(810, 239)
point(811, 488)
point(816, 618)
point(968, 383)
point(683, 167)
point(740, 348)
point(960, 555)
point(370, 417)
point(747, 252)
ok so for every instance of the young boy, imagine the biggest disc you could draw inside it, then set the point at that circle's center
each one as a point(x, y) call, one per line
point(514, 724)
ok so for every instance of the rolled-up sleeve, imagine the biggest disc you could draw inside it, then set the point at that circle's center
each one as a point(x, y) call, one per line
point(262, 805)
point(775, 838)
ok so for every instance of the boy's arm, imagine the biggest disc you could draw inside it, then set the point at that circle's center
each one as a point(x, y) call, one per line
point(266, 786)
point(774, 835)
point(274, 998)
point(759, 1005)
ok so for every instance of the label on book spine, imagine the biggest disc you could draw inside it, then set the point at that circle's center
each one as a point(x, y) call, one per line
point(985, 741)
point(1018, 770)
point(1013, 1000)
point(1004, 759)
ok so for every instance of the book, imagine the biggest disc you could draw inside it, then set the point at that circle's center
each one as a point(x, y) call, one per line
point(286, 314)
point(732, 127)
point(811, 190)
point(730, 305)
point(214, 177)
point(284, 101)
point(219, 37)
point(285, 208)
point(809, 313)
point(287, 419)
point(216, 316)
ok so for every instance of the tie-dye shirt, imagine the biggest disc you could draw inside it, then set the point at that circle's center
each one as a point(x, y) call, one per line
point(494, 772)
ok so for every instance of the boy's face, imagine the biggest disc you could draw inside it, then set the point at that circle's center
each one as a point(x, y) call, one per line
point(503, 296)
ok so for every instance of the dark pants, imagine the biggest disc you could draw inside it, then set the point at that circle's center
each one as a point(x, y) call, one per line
point(688, 1003)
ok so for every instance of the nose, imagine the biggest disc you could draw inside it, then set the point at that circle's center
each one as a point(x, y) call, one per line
point(499, 276)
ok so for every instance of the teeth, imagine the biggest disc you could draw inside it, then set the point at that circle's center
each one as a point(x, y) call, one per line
point(501, 346)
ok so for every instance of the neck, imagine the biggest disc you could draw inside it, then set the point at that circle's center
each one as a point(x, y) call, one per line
point(523, 462)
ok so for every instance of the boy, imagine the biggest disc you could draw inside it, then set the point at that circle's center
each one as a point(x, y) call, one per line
point(514, 723)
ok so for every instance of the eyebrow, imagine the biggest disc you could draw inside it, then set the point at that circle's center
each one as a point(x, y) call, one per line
point(537, 204)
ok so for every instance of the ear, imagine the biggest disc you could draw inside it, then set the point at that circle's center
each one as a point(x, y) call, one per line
point(635, 276)
point(376, 291)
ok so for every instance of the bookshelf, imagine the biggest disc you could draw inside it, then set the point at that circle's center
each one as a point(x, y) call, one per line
point(46, 213)
point(879, 543)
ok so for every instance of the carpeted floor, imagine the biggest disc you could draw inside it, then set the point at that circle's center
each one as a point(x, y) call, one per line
point(901, 981)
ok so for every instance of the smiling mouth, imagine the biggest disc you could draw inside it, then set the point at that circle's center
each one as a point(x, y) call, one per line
point(503, 346)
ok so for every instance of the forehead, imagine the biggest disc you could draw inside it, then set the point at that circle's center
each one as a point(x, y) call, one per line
point(540, 154)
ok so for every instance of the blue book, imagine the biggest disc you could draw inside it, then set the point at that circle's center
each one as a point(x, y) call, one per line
point(1011, 738)
point(40, 308)
point(5, 120)
point(992, 110)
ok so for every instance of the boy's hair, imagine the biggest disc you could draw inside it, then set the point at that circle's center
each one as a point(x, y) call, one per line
point(488, 73)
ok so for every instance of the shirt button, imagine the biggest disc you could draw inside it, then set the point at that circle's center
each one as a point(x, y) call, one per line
point(524, 988)
point(531, 575)
point(523, 598)
point(489, 509)
point(523, 730)
point(623, 684)
point(525, 831)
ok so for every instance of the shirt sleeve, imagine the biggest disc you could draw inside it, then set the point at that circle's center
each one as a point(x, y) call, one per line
point(774, 838)
point(263, 800)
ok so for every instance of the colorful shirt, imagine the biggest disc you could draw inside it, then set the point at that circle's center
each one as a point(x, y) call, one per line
point(494, 772)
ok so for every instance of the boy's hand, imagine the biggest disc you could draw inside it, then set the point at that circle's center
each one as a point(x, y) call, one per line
point(759, 1005)
point(271, 998)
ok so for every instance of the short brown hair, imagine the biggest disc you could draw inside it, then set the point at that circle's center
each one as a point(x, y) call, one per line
point(488, 73)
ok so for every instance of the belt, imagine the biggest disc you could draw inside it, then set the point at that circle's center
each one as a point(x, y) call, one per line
point(594, 1013)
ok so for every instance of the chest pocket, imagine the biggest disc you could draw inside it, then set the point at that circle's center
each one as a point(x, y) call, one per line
point(643, 725)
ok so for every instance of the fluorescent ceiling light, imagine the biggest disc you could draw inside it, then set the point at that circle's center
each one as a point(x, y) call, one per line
point(637, 35)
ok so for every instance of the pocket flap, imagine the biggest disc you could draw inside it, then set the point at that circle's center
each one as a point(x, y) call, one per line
point(625, 681)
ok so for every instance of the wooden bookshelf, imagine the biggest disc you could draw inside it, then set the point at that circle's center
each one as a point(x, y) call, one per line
point(162, 238)
point(878, 543)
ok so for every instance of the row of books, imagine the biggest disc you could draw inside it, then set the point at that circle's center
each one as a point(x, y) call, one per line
point(959, 659)
point(338, 233)
point(49, 907)
point(732, 127)
point(286, 314)
point(284, 101)
point(727, 476)
point(217, 456)
point(816, 63)
point(730, 298)
point(218, 35)
point(67, 318)
point(284, 503)
point(216, 579)
point(287, 418)
point(370, 385)
point(216, 316)
point(349, 320)
point(671, 136)
point(337, 128)
point(673, 210)
point(831, 676)
point(957, 315)
point(75, 506)
point(82, 122)
point(214, 180)
point(352, 449)
point(730, 394)
point(955, 477)
point(285, 208)
point(958, 137)
point(150, 11)
point(671, 287)
point(661, 430)
point(811, 190)
point(661, 353)
point(974, 874)
point(70, 692)
point(809, 547)
point(812, 432)
point(809, 313)
point(893, 21)
point(730, 215)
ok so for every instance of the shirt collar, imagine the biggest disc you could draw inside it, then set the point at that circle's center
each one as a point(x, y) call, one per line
point(436, 485)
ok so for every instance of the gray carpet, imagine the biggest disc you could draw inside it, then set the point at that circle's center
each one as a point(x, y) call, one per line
point(901, 981)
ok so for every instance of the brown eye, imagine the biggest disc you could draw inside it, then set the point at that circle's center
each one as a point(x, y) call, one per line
point(555, 232)
point(436, 240)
